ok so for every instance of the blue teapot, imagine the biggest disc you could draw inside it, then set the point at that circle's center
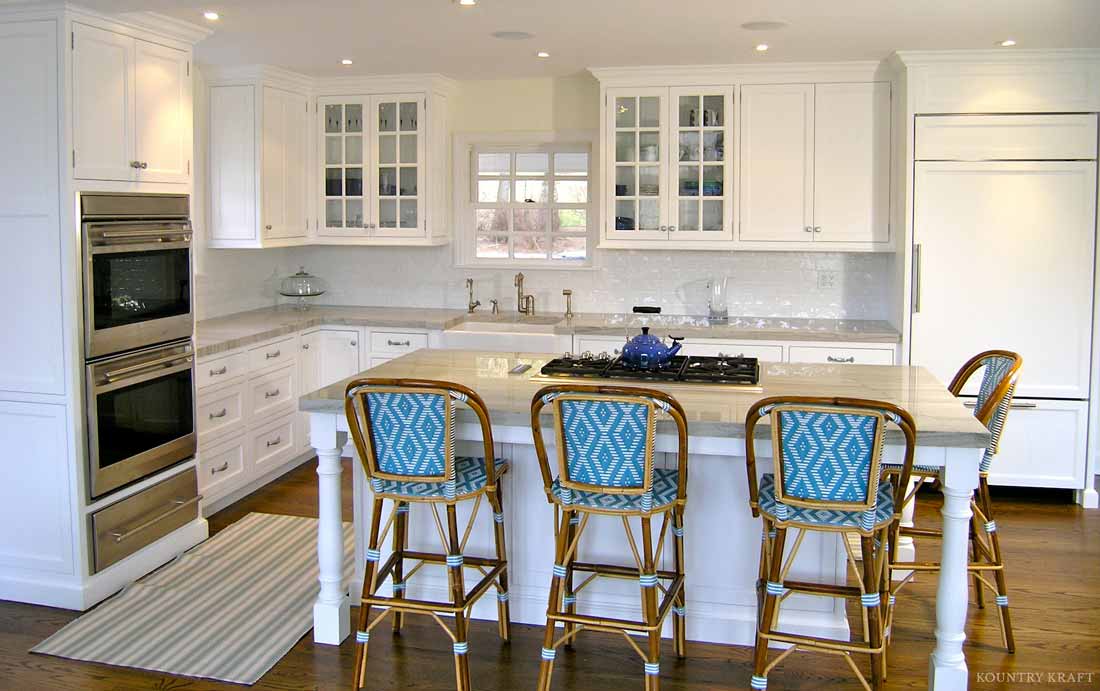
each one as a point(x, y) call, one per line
point(649, 352)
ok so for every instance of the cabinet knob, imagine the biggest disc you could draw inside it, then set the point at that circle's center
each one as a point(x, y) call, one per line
point(305, 346)
point(808, 229)
point(135, 164)
point(672, 229)
point(144, 165)
point(817, 229)
point(664, 229)
point(354, 343)
point(267, 227)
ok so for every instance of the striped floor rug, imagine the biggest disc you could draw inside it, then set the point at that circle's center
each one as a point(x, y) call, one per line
point(229, 609)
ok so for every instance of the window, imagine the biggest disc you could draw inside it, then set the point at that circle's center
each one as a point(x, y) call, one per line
point(529, 205)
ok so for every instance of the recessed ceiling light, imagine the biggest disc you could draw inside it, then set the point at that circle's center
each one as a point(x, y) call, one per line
point(763, 26)
point(345, 61)
point(1007, 43)
point(467, 3)
point(542, 54)
point(212, 16)
point(512, 35)
point(761, 47)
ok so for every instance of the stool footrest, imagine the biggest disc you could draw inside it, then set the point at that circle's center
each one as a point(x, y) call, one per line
point(823, 589)
point(615, 625)
point(425, 606)
point(616, 571)
point(433, 558)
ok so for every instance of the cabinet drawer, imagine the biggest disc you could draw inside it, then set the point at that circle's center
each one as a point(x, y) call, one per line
point(1043, 445)
point(220, 370)
point(842, 355)
point(221, 467)
point(397, 342)
point(762, 352)
point(271, 355)
point(271, 393)
point(220, 412)
point(124, 527)
point(275, 444)
point(598, 344)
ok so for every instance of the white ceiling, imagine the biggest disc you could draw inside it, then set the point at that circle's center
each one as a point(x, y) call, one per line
point(395, 36)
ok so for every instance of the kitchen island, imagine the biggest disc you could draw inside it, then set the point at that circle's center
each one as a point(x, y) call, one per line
point(722, 544)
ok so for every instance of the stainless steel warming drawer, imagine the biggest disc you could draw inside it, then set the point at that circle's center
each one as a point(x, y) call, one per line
point(123, 528)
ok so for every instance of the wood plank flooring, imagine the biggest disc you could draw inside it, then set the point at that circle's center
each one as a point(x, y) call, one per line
point(1053, 549)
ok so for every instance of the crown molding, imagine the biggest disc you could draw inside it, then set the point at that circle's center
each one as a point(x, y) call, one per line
point(275, 76)
point(330, 86)
point(165, 26)
point(861, 70)
point(911, 58)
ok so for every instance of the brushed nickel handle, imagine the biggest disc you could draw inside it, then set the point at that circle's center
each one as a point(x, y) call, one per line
point(221, 413)
point(142, 367)
point(218, 372)
point(275, 442)
point(177, 505)
point(1018, 405)
point(220, 469)
point(916, 277)
point(271, 394)
point(272, 356)
point(849, 359)
point(398, 343)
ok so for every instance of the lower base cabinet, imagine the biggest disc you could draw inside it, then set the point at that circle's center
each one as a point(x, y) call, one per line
point(764, 351)
point(1043, 444)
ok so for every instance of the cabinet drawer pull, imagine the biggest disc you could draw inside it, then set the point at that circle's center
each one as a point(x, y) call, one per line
point(1018, 405)
point(849, 359)
point(220, 469)
point(275, 442)
point(272, 356)
point(221, 413)
point(177, 505)
point(220, 371)
point(271, 394)
point(405, 343)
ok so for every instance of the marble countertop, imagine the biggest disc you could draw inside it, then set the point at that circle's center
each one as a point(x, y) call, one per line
point(232, 331)
point(713, 411)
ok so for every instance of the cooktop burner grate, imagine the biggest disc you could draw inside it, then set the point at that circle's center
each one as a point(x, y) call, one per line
point(688, 369)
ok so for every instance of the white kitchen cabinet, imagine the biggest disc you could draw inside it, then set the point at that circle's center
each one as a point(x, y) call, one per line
point(841, 354)
point(1043, 444)
point(329, 356)
point(815, 166)
point(131, 108)
point(667, 174)
point(259, 160)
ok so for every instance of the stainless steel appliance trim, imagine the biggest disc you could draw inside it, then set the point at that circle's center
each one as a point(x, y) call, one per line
point(128, 205)
point(103, 480)
point(177, 505)
point(916, 277)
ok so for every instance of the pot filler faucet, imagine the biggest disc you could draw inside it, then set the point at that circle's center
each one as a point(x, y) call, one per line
point(473, 304)
point(525, 304)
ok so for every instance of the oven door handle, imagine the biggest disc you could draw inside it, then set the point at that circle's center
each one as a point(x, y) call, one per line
point(177, 505)
point(153, 233)
point(114, 375)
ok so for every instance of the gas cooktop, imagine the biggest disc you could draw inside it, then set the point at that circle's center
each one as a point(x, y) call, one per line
point(695, 369)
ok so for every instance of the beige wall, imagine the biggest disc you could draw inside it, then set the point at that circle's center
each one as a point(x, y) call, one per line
point(544, 104)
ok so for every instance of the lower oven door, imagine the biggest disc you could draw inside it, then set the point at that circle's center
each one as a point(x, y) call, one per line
point(141, 415)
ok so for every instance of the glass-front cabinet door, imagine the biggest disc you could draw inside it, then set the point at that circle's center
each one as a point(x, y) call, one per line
point(344, 210)
point(637, 174)
point(702, 141)
point(398, 162)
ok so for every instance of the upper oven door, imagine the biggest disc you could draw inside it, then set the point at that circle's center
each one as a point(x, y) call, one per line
point(137, 285)
point(141, 414)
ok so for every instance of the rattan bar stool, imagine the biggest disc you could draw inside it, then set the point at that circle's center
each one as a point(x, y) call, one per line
point(827, 454)
point(1000, 372)
point(404, 433)
point(604, 436)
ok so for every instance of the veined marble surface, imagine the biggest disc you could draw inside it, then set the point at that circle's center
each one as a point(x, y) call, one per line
point(713, 411)
point(232, 331)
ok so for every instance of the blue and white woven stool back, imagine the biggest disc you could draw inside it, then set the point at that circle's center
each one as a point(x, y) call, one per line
point(605, 442)
point(411, 433)
point(997, 368)
point(828, 457)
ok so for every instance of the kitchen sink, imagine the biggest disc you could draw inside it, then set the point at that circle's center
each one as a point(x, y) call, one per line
point(507, 334)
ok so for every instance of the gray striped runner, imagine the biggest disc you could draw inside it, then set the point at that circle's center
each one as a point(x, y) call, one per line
point(229, 609)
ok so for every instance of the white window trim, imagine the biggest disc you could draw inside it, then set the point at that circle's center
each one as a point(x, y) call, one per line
point(465, 231)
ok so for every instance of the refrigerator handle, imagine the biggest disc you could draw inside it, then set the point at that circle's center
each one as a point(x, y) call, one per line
point(916, 278)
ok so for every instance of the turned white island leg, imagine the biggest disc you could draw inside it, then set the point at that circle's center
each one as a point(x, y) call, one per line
point(332, 609)
point(947, 668)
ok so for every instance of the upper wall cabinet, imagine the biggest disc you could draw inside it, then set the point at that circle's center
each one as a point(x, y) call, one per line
point(259, 164)
point(668, 178)
point(131, 108)
point(815, 166)
point(382, 169)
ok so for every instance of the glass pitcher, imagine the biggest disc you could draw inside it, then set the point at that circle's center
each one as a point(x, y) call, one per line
point(718, 288)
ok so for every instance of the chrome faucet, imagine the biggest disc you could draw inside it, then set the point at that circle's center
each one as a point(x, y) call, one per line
point(496, 306)
point(525, 304)
point(473, 304)
point(568, 293)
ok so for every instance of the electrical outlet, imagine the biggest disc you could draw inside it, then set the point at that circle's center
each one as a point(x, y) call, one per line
point(826, 279)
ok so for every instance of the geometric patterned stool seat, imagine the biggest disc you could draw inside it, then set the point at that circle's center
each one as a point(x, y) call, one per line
point(665, 489)
point(470, 478)
point(826, 518)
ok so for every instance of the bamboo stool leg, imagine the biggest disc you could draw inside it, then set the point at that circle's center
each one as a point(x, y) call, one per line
point(872, 603)
point(504, 618)
point(362, 634)
point(570, 597)
point(766, 616)
point(400, 544)
point(998, 558)
point(553, 607)
point(679, 607)
point(649, 608)
point(458, 597)
point(976, 555)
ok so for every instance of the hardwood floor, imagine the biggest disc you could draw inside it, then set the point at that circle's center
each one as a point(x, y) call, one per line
point(1053, 549)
